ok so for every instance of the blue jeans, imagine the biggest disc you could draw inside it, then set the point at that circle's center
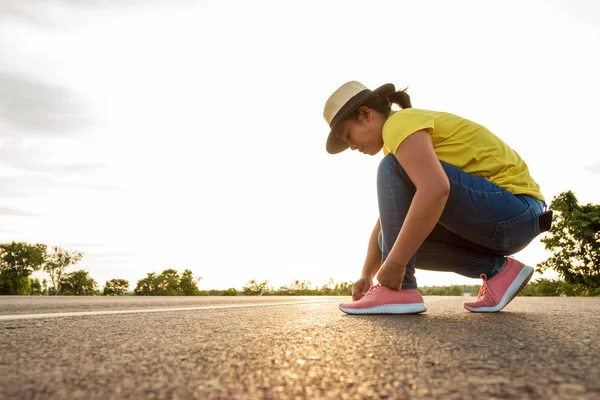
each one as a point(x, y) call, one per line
point(480, 225)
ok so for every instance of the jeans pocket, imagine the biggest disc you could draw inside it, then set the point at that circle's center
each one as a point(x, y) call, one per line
point(517, 232)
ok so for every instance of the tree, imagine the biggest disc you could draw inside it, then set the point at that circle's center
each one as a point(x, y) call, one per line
point(56, 264)
point(168, 283)
point(343, 289)
point(300, 288)
point(116, 287)
point(18, 260)
point(328, 288)
point(453, 290)
point(575, 241)
point(146, 286)
point(36, 286)
point(253, 288)
point(557, 287)
point(188, 285)
point(78, 283)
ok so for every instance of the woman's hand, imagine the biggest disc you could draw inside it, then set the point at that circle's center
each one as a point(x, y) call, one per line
point(391, 274)
point(360, 287)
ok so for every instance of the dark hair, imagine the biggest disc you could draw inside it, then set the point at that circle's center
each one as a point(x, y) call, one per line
point(401, 98)
point(382, 104)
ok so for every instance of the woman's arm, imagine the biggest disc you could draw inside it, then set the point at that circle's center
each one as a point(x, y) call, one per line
point(373, 260)
point(418, 159)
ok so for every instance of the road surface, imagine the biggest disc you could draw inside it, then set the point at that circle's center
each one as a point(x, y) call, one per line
point(294, 347)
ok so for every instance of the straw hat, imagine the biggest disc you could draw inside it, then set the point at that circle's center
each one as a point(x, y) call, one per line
point(342, 103)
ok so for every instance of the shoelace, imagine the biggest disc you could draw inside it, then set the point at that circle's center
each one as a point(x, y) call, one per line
point(373, 289)
point(483, 288)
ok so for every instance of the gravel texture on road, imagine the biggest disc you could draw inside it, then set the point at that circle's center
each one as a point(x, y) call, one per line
point(538, 348)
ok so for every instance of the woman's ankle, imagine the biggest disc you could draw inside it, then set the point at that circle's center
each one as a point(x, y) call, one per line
point(499, 269)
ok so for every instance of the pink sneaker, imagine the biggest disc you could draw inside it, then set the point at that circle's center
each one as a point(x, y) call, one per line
point(381, 300)
point(497, 292)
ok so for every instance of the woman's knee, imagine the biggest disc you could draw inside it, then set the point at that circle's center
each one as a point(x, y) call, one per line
point(387, 163)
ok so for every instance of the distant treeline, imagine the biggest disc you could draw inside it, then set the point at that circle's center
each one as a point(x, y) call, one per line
point(574, 241)
point(540, 287)
point(171, 283)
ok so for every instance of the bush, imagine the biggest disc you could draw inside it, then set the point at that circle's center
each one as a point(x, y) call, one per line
point(558, 287)
point(453, 290)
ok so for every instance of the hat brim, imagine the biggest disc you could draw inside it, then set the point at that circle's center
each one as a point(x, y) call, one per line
point(335, 145)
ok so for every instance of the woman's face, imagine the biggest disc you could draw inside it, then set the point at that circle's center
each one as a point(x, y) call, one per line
point(363, 134)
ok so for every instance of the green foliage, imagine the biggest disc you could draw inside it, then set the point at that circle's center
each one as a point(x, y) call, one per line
point(473, 290)
point(24, 258)
point(454, 290)
point(229, 292)
point(333, 289)
point(57, 262)
point(253, 288)
point(188, 285)
point(116, 287)
point(297, 288)
point(342, 289)
point(79, 283)
point(18, 260)
point(575, 241)
point(36, 287)
point(546, 287)
point(328, 289)
point(12, 283)
point(541, 287)
point(169, 283)
point(147, 286)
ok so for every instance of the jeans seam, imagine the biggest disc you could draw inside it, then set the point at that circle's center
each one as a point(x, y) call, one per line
point(393, 202)
point(484, 192)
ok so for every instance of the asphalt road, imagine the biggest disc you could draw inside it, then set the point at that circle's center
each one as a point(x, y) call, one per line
point(539, 348)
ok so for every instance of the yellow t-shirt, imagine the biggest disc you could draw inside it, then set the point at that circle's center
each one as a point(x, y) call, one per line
point(465, 145)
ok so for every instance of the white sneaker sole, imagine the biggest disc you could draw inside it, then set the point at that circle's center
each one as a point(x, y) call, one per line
point(414, 308)
point(519, 283)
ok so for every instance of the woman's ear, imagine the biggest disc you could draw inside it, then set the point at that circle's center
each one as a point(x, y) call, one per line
point(365, 112)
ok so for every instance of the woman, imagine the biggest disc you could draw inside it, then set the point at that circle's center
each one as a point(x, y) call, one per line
point(452, 197)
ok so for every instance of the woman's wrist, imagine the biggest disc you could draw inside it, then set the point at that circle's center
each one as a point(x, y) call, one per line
point(391, 275)
point(369, 271)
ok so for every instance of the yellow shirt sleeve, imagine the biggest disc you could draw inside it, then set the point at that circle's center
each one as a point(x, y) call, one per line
point(402, 124)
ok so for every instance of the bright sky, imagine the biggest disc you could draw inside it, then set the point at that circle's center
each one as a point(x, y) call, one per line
point(189, 134)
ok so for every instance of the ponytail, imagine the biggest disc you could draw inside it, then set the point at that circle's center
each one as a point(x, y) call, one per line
point(401, 98)
point(382, 103)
